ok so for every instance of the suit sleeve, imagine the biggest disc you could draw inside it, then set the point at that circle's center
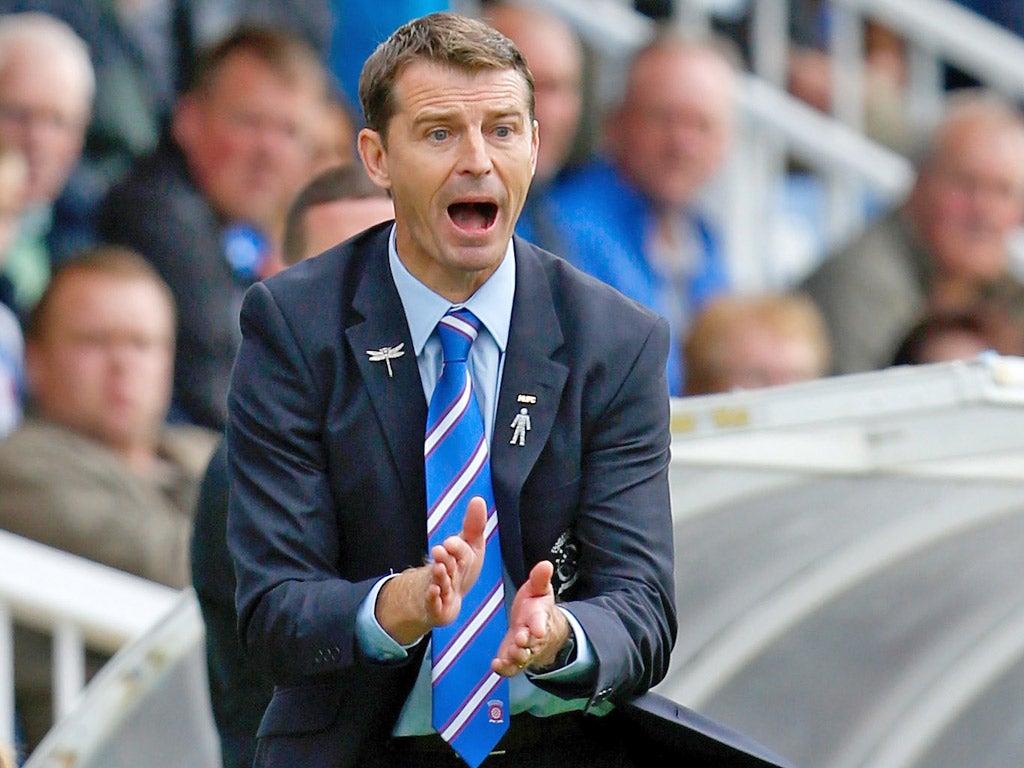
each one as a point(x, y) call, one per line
point(625, 527)
point(295, 614)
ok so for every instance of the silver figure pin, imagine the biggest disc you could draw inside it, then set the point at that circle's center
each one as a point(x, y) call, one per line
point(520, 426)
point(386, 354)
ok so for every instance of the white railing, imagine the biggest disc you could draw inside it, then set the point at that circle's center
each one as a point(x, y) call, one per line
point(937, 32)
point(774, 126)
point(81, 604)
point(849, 166)
point(149, 705)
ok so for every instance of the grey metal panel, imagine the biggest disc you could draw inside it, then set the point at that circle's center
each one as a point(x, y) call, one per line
point(849, 566)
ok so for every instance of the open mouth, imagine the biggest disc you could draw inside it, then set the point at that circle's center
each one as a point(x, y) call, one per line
point(473, 217)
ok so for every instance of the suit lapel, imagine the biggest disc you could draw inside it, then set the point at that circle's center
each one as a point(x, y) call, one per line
point(530, 372)
point(397, 396)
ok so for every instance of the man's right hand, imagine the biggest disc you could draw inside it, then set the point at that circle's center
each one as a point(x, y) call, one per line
point(419, 599)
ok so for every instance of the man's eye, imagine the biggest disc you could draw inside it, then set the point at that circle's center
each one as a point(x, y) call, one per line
point(439, 134)
point(503, 131)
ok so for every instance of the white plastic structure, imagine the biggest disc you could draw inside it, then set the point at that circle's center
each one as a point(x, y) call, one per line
point(848, 565)
point(147, 707)
point(77, 602)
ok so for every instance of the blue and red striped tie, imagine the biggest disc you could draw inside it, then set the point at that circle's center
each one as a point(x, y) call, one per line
point(470, 701)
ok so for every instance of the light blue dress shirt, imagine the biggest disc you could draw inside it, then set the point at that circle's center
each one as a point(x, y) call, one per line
point(492, 305)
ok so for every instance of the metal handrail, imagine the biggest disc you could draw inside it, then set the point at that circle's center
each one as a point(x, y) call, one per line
point(80, 603)
point(777, 125)
point(951, 32)
point(937, 30)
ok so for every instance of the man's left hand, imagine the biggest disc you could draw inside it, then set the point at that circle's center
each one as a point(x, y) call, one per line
point(537, 628)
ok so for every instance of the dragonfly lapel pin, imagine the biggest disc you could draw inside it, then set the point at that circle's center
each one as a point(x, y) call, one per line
point(386, 355)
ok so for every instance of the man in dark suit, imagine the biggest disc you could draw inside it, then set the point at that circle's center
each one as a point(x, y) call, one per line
point(327, 412)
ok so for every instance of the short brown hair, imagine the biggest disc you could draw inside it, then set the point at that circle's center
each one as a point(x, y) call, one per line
point(110, 260)
point(790, 315)
point(442, 38)
point(285, 53)
point(342, 182)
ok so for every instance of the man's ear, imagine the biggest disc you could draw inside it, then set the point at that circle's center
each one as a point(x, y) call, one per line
point(534, 148)
point(185, 127)
point(611, 131)
point(35, 367)
point(375, 157)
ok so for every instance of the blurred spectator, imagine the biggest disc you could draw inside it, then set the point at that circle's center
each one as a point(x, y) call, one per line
point(337, 204)
point(943, 337)
point(633, 220)
point(13, 199)
point(333, 148)
point(810, 78)
point(360, 26)
point(334, 136)
point(944, 246)
point(745, 342)
point(142, 52)
point(555, 56)
point(994, 323)
point(207, 209)
point(312, 20)
point(13, 185)
point(93, 469)
point(334, 206)
point(139, 51)
point(46, 92)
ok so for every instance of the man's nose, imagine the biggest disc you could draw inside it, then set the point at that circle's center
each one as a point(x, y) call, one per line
point(475, 157)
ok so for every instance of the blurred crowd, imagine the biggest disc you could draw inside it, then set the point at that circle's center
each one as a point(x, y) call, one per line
point(157, 157)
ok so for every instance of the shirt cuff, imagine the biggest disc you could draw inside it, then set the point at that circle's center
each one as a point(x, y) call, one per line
point(371, 637)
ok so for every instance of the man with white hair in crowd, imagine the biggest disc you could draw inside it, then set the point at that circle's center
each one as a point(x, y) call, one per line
point(945, 248)
point(47, 85)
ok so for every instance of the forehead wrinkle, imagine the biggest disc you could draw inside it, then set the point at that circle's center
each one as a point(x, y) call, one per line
point(427, 99)
point(429, 115)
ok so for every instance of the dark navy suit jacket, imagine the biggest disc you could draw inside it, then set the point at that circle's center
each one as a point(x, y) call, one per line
point(328, 492)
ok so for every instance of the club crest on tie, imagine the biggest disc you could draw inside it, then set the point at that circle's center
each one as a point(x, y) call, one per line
point(386, 355)
point(495, 711)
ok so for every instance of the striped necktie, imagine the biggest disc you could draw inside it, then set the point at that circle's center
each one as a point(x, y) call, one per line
point(470, 701)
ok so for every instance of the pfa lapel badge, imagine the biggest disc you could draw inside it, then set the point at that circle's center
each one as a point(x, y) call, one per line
point(521, 423)
point(520, 426)
point(386, 355)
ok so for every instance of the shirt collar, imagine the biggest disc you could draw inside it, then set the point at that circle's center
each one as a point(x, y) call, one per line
point(491, 303)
